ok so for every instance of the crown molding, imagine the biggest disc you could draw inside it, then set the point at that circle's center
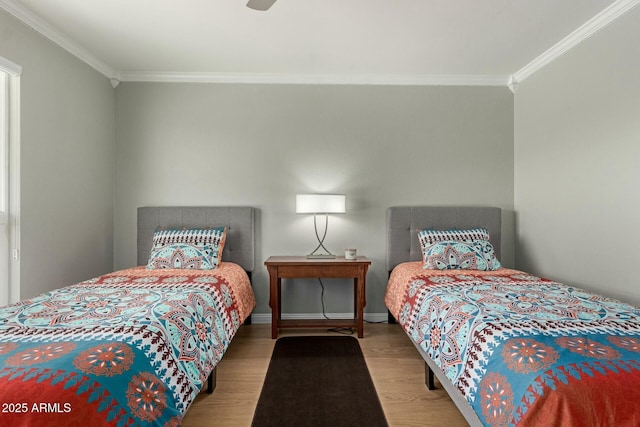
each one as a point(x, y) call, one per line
point(598, 22)
point(30, 19)
point(513, 83)
point(311, 79)
point(9, 67)
point(595, 24)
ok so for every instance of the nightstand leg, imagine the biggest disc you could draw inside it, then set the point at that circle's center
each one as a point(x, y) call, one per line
point(274, 300)
point(279, 301)
point(355, 298)
point(360, 303)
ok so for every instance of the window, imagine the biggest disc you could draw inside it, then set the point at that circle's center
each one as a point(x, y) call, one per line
point(9, 181)
point(4, 188)
point(4, 147)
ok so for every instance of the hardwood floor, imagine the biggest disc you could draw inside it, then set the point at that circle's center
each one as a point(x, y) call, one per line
point(395, 366)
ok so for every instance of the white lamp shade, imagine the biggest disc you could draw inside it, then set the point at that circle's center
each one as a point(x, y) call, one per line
point(320, 203)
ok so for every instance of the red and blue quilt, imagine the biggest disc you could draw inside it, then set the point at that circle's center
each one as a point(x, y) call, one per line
point(131, 348)
point(523, 350)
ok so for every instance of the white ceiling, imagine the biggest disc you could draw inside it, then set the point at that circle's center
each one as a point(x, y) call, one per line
point(413, 41)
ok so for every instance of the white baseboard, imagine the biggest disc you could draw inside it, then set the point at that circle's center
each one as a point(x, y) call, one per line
point(257, 318)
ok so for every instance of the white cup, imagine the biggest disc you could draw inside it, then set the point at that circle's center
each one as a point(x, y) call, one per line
point(350, 253)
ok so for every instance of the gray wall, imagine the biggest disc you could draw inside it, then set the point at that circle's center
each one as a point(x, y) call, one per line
point(260, 145)
point(67, 152)
point(577, 164)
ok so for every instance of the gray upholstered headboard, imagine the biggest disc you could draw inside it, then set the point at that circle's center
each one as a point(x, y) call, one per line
point(403, 223)
point(240, 222)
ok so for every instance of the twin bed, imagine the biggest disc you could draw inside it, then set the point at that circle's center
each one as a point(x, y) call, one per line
point(136, 346)
point(510, 348)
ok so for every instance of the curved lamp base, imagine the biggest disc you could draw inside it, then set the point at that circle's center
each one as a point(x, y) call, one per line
point(314, 254)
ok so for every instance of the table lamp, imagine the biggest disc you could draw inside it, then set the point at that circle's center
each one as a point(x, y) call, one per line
point(320, 204)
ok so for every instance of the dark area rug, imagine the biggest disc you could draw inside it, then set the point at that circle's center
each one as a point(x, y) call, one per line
point(318, 381)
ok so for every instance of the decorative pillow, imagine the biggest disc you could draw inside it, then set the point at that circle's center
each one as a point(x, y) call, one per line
point(450, 255)
point(429, 236)
point(192, 248)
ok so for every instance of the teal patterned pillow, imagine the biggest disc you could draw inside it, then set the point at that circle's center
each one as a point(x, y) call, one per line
point(188, 248)
point(429, 236)
point(452, 255)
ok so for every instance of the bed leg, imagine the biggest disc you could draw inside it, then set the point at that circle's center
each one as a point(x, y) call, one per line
point(428, 377)
point(390, 319)
point(211, 381)
point(247, 321)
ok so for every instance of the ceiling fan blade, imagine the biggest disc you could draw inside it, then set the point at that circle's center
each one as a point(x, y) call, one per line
point(260, 4)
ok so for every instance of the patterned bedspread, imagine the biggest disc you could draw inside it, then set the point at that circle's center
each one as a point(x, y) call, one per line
point(130, 348)
point(522, 350)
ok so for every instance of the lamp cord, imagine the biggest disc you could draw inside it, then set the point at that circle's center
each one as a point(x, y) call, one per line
point(343, 331)
point(324, 312)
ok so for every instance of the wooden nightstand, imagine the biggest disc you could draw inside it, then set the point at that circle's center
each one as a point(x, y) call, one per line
point(298, 267)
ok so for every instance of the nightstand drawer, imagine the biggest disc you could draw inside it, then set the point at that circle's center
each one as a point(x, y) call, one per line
point(308, 271)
